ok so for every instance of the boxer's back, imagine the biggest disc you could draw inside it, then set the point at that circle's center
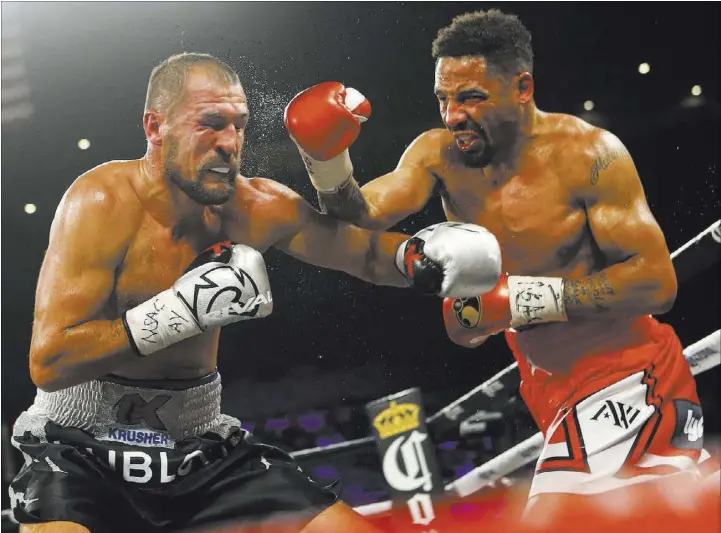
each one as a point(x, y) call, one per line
point(538, 214)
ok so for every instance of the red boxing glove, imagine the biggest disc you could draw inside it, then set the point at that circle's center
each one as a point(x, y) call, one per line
point(470, 321)
point(324, 121)
point(515, 301)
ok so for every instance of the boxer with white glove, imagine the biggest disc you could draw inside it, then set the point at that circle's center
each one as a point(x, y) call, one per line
point(228, 284)
point(324, 121)
point(223, 285)
point(515, 302)
point(451, 259)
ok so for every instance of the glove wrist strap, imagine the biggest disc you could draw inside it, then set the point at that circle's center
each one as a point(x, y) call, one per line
point(535, 300)
point(158, 323)
point(328, 176)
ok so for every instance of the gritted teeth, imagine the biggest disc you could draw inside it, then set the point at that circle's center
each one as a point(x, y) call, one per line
point(466, 137)
point(221, 170)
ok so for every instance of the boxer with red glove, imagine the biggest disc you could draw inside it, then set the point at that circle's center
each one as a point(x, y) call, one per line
point(515, 301)
point(324, 121)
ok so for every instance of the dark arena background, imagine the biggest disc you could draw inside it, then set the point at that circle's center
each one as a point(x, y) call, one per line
point(74, 77)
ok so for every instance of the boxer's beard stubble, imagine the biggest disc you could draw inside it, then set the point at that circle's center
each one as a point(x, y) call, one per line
point(503, 129)
point(474, 159)
point(193, 188)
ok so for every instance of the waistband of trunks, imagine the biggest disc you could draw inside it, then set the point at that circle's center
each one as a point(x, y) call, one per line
point(182, 408)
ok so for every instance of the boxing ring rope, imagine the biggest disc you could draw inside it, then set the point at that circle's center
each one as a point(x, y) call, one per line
point(690, 259)
point(698, 253)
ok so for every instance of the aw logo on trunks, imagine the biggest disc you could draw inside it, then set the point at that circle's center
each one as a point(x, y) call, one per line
point(623, 415)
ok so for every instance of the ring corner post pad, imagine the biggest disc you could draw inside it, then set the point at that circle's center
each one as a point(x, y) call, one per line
point(408, 460)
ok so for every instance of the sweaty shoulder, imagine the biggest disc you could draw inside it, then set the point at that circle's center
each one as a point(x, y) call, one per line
point(432, 149)
point(585, 150)
point(103, 198)
point(262, 192)
point(265, 201)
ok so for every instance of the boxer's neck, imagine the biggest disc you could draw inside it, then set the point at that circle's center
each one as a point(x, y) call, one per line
point(166, 203)
point(508, 156)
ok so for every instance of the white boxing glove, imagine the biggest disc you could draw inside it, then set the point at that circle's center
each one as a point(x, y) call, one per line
point(451, 259)
point(224, 284)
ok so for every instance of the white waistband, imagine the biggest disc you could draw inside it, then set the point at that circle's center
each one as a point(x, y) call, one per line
point(181, 410)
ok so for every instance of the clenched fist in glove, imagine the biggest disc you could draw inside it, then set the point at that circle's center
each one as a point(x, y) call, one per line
point(515, 301)
point(451, 259)
point(224, 284)
point(324, 121)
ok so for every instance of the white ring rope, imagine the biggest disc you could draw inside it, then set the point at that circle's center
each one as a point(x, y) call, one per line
point(714, 231)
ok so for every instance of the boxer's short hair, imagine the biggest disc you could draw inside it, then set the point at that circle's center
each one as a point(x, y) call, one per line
point(167, 79)
point(500, 38)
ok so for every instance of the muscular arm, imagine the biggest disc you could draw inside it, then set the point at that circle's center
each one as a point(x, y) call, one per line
point(330, 243)
point(639, 278)
point(70, 344)
point(387, 200)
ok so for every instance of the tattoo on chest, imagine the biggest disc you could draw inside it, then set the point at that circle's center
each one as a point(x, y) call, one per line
point(603, 162)
point(592, 291)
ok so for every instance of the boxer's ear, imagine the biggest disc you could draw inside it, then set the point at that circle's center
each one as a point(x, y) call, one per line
point(151, 125)
point(524, 87)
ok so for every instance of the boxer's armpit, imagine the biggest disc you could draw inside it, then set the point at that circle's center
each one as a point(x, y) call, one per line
point(347, 203)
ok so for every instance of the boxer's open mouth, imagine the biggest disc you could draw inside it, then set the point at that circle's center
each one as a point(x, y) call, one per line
point(466, 141)
point(223, 173)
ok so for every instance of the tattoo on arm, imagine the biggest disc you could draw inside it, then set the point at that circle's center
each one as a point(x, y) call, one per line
point(347, 203)
point(604, 161)
point(592, 291)
point(371, 256)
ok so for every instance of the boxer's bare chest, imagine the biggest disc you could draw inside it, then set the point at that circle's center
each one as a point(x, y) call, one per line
point(541, 226)
point(156, 258)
